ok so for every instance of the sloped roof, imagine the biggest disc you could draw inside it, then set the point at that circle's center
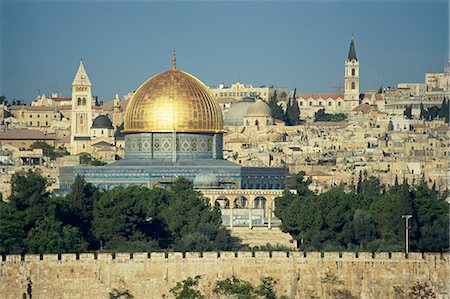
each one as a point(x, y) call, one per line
point(364, 108)
point(23, 134)
point(323, 96)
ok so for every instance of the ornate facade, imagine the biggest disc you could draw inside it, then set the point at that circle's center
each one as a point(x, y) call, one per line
point(174, 128)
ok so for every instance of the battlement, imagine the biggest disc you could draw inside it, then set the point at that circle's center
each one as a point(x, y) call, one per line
point(153, 274)
point(291, 255)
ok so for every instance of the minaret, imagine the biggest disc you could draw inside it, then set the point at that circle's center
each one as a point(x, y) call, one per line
point(117, 112)
point(351, 81)
point(81, 117)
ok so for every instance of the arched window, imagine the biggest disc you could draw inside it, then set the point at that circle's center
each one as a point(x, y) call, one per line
point(84, 101)
point(256, 122)
point(79, 101)
point(353, 85)
point(353, 72)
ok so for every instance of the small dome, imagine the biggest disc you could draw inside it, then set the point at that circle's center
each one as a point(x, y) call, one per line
point(235, 116)
point(259, 108)
point(206, 180)
point(102, 122)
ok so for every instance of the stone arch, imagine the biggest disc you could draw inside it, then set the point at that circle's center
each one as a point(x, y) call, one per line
point(240, 202)
point(260, 202)
point(222, 202)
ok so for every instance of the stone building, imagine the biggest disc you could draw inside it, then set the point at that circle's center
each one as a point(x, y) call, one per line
point(174, 128)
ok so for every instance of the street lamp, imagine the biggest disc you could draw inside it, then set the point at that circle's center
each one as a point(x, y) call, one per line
point(406, 217)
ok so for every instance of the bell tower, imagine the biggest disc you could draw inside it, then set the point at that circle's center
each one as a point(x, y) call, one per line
point(81, 117)
point(351, 84)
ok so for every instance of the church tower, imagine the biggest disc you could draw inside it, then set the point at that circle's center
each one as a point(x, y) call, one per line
point(351, 81)
point(81, 117)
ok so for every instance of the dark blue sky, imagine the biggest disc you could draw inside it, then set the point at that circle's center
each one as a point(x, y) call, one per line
point(294, 44)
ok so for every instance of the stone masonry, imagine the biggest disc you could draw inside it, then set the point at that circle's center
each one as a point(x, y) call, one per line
point(152, 275)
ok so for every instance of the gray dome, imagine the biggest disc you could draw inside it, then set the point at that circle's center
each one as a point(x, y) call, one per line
point(206, 180)
point(259, 108)
point(102, 122)
point(235, 116)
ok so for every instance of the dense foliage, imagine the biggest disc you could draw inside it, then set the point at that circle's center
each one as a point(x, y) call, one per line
point(50, 151)
point(367, 220)
point(435, 112)
point(277, 111)
point(231, 287)
point(123, 219)
point(292, 114)
point(321, 115)
point(87, 159)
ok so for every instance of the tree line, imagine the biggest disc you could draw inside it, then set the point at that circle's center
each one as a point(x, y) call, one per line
point(123, 219)
point(434, 112)
point(178, 218)
point(369, 219)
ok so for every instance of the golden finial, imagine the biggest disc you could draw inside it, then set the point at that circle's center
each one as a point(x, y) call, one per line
point(174, 60)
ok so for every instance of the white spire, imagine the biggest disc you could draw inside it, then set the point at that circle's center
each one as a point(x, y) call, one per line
point(81, 78)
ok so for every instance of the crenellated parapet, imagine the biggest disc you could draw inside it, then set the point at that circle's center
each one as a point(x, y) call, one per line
point(153, 274)
point(288, 255)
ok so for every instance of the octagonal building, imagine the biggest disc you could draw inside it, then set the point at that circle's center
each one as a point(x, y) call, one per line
point(174, 128)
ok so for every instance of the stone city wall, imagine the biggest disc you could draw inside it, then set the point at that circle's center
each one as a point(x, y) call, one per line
point(152, 275)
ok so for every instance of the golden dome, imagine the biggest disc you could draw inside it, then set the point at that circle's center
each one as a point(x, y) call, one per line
point(173, 101)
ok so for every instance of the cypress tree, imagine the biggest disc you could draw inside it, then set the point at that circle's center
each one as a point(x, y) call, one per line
point(422, 112)
point(277, 111)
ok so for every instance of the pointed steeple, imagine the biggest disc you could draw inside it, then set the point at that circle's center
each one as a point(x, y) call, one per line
point(81, 78)
point(352, 51)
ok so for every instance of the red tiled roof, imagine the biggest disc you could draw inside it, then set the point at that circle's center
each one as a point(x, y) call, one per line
point(323, 96)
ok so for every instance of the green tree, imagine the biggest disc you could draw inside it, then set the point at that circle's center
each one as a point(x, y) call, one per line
point(50, 151)
point(301, 183)
point(277, 111)
point(118, 133)
point(87, 159)
point(76, 208)
point(321, 115)
point(118, 294)
point(186, 289)
point(29, 197)
point(422, 112)
point(234, 287)
point(293, 111)
point(408, 112)
point(11, 229)
point(51, 236)
point(197, 226)
point(444, 111)
point(121, 219)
